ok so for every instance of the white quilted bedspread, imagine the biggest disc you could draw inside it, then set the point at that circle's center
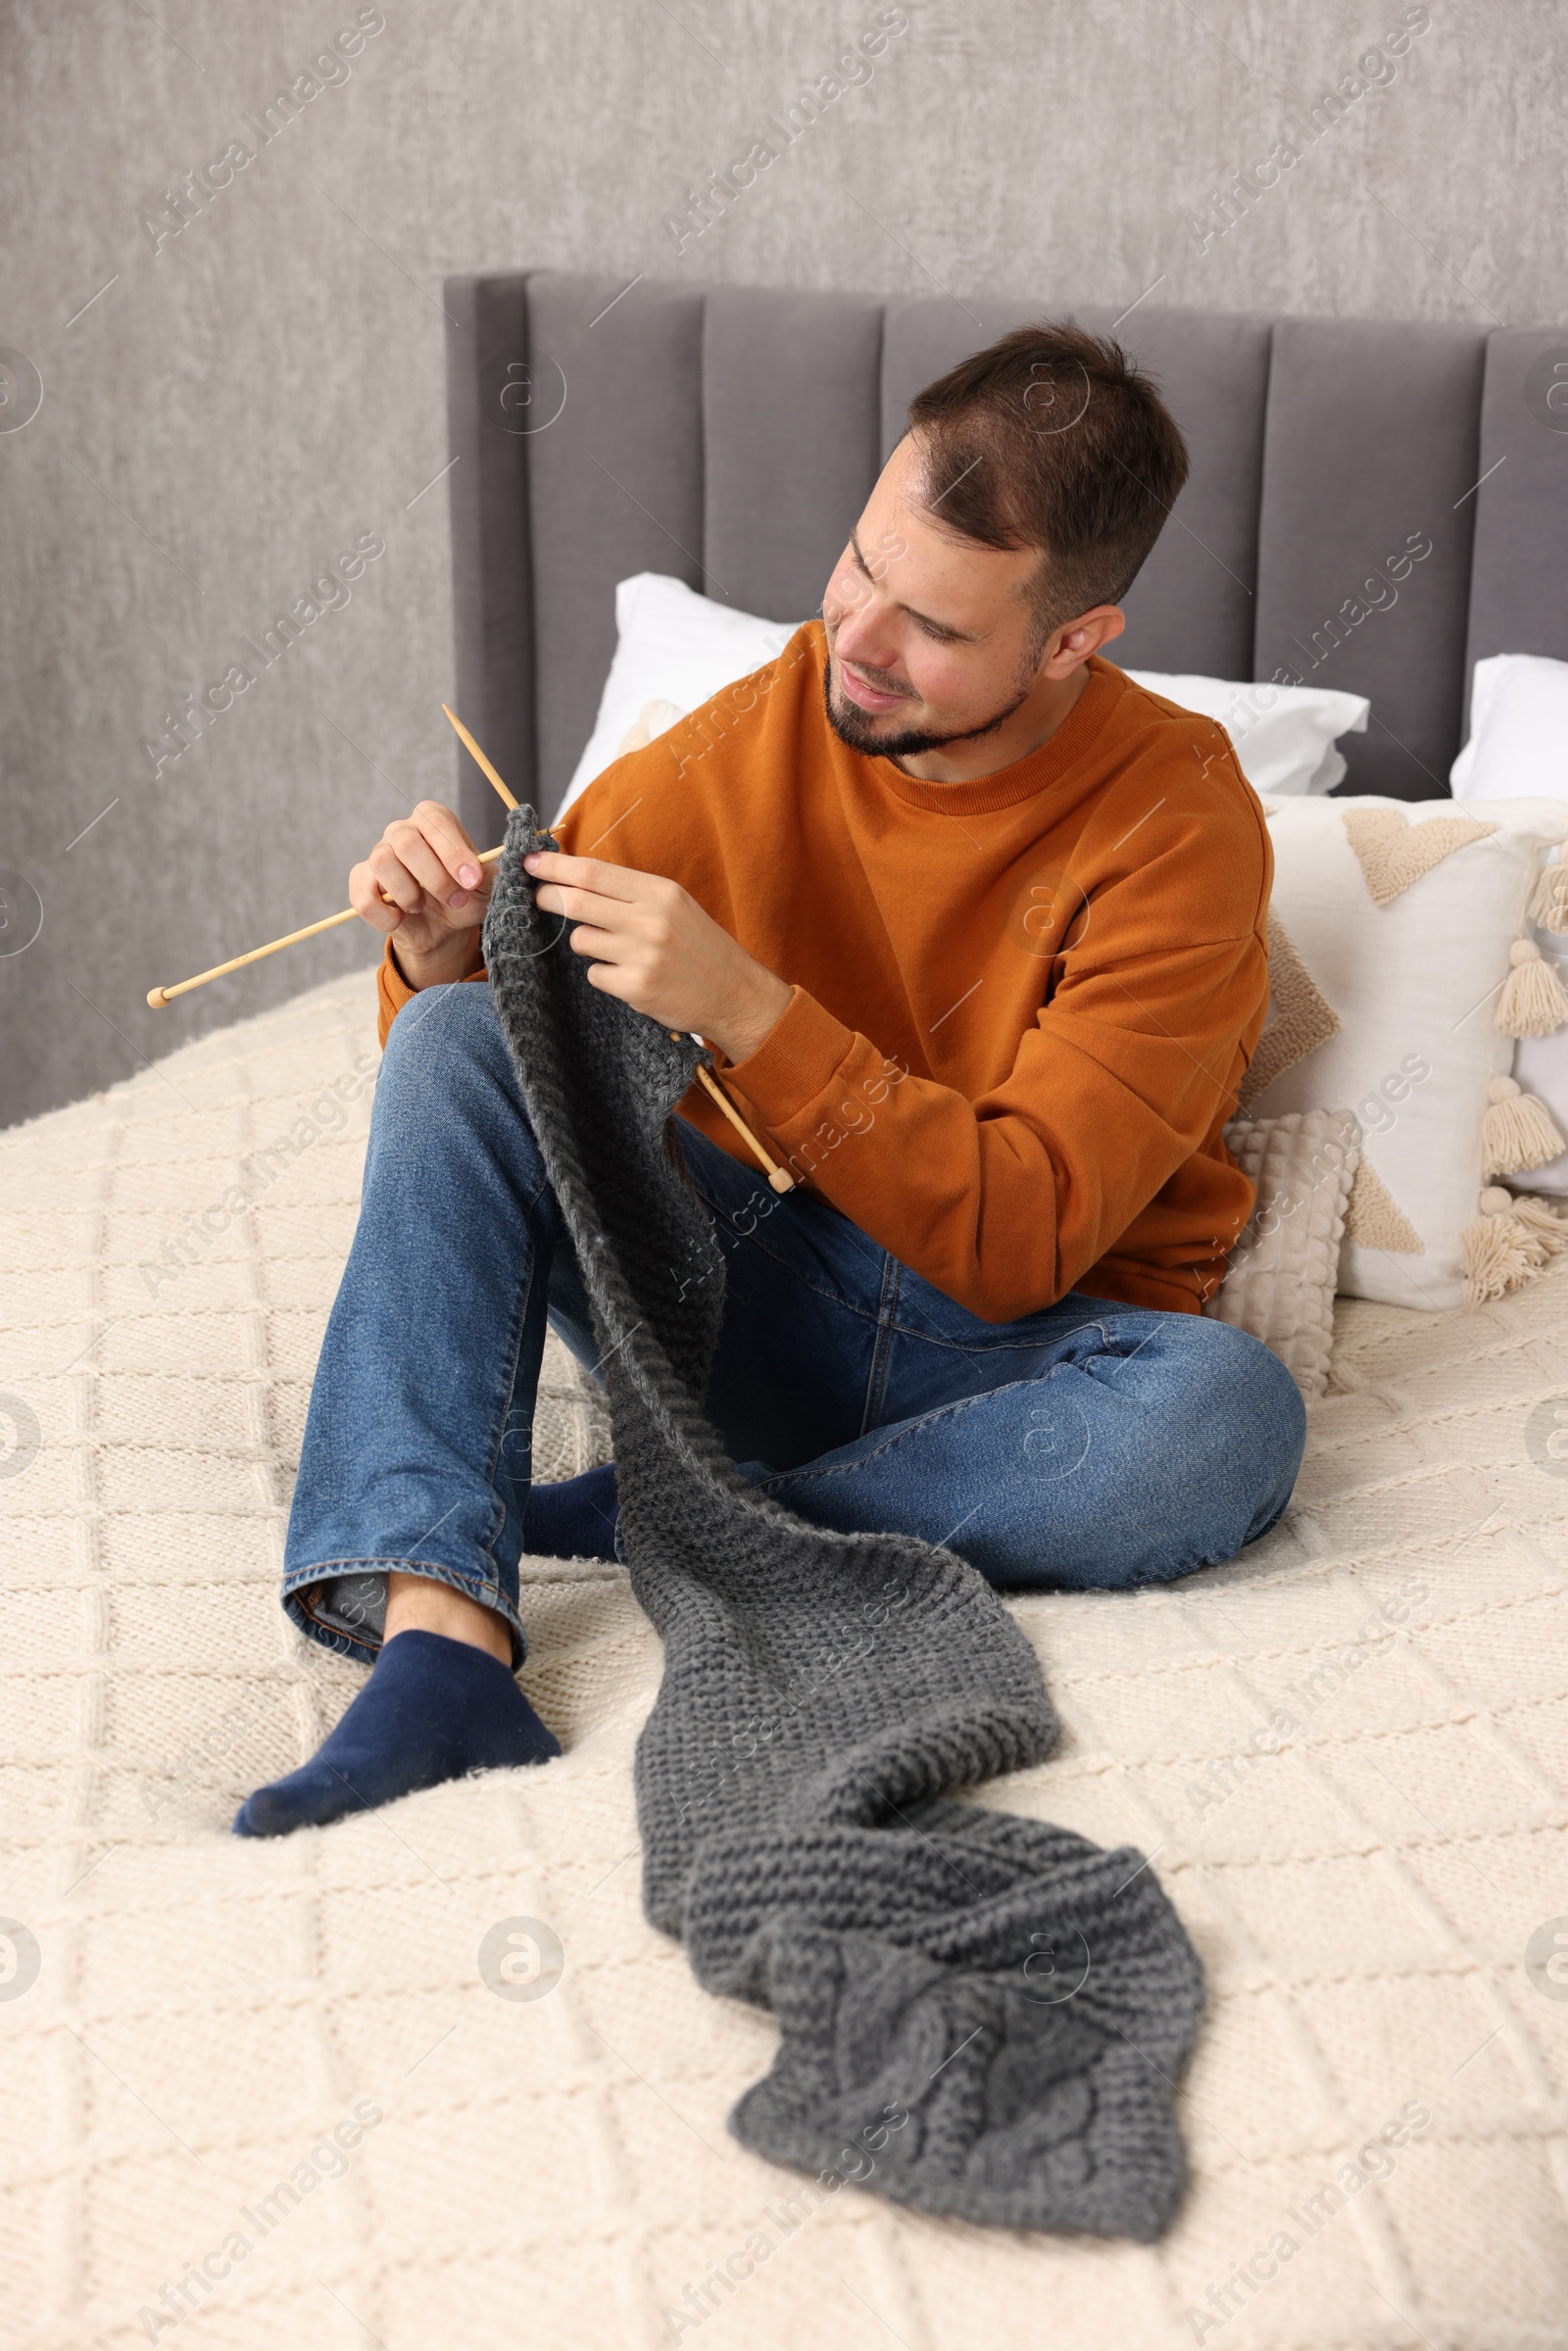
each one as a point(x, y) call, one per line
point(554, 2173)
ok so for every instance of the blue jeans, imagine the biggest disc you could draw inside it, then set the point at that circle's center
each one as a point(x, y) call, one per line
point(1088, 1446)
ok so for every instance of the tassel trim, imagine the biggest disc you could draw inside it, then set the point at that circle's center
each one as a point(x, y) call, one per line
point(1531, 1003)
point(1507, 1243)
point(1518, 1132)
point(1549, 904)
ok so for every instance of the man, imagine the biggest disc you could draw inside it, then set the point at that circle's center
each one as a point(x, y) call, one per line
point(976, 931)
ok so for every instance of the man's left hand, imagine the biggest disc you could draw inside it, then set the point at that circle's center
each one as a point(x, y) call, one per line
point(648, 941)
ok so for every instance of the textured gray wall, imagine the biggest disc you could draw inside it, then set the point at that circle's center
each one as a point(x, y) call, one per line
point(231, 412)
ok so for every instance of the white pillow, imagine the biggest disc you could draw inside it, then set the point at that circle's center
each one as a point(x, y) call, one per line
point(1392, 924)
point(1518, 730)
point(675, 647)
point(1283, 736)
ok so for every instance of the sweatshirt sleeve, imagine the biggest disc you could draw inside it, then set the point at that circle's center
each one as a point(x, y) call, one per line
point(1004, 1201)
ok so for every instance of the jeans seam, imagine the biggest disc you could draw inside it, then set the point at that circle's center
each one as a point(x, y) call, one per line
point(835, 1298)
point(520, 1326)
point(397, 1564)
point(987, 1346)
point(882, 1350)
point(926, 1420)
point(488, 1592)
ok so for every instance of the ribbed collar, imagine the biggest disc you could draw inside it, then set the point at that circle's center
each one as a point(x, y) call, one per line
point(1026, 777)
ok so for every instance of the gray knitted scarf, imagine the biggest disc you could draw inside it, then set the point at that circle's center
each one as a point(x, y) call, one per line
point(979, 2015)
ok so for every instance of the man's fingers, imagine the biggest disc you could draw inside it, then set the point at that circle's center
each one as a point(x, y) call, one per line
point(422, 879)
point(599, 947)
point(365, 897)
point(404, 888)
point(416, 854)
point(588, 906)
point(449, 837)
point(412, 848)
point(607, 979)
point(586, 873)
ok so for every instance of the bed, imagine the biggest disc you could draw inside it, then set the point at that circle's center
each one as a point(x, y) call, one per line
point(202, 2039)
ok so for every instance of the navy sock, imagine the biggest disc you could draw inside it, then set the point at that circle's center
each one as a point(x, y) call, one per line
point(433, 1709)
point(576, 1519)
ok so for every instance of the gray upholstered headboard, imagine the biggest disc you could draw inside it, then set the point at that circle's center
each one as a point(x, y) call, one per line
point(729, 435)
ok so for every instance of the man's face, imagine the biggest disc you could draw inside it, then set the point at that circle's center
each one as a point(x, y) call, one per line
point(933, 638)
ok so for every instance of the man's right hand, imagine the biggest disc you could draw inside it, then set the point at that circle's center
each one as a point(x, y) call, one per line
point(423, 886)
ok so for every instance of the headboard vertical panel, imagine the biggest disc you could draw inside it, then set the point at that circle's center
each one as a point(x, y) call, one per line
point(1192, 607)
point(492, 576)
point(1369, 454)
point(1519, 567)
point(792, 411)
point(616, 481)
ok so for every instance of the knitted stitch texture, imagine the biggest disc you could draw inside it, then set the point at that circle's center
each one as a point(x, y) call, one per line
point(1024, 1998)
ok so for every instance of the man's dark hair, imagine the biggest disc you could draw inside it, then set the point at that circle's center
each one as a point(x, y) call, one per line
point(1051, 438)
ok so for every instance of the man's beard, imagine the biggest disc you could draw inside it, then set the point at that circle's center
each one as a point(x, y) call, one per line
point(857, 728)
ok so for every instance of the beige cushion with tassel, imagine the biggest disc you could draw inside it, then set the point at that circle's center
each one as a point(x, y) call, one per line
point(1541, 1063)
point(1398, 919)
point(1280, 1280)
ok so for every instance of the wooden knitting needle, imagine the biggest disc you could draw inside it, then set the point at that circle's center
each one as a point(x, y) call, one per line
point(159, 996)
point(475, 754)
point(776, 1176)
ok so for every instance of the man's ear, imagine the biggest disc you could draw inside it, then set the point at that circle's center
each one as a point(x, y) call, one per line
point(1070, 646)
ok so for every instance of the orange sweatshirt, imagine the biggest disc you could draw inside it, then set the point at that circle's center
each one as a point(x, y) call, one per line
point(1021, 1005)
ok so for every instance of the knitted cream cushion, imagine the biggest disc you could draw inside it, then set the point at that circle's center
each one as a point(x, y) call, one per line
point(1390, 947)
point(1350, 1751)
point(1280, 1280)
